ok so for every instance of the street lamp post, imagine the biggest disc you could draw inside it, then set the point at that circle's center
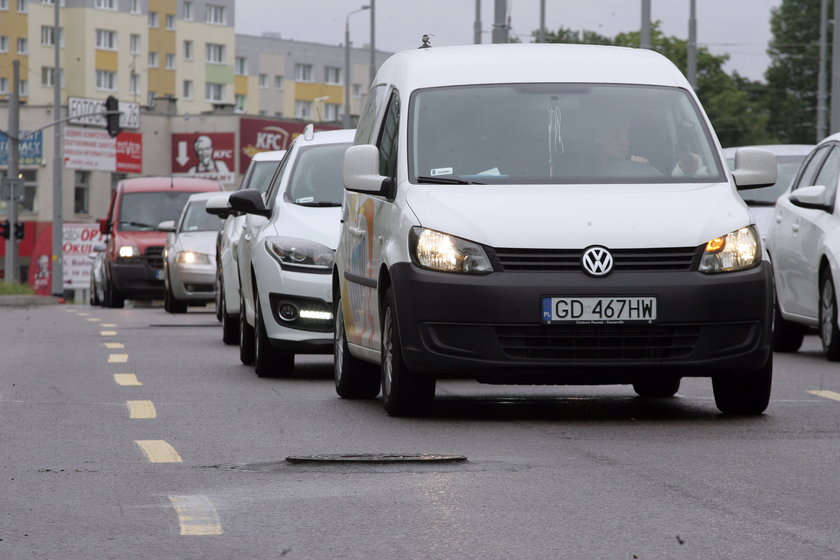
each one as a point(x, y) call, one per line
point(347, 64)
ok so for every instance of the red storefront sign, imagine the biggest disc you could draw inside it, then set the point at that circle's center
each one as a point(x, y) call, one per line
point(263, 135)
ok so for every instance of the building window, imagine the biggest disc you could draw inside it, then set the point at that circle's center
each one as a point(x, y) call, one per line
point(214, 92)
point(22, 45)
point(154, 20)
point(23, 90)
point(263, 81)
point(106, 4)
point(4, 5)
point(81, 193)
point(30, 190)
point(239, 103)
point(48, 36)
point(241, 66)
point(188, 11)
point(106, 39)
point(134, 84)
point(357, 90)
point(134, 43)
point(170, 62)
point(215, 53)
point(332, 75)
point(153, 59)
point(189, 90)
point(134, 6)
point(4, 85)
point(278, 82)
point(170, 22)
point(48, 76)
point(331, 111)
point(215, 14)
point(303, 72)
point(188, 50)
point(151, 98)
point(303, 109)
point(4, 44)
point(106, 80)
point(21, 6)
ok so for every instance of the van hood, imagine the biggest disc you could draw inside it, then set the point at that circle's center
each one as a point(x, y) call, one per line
point(577, 216)
point(140, 239)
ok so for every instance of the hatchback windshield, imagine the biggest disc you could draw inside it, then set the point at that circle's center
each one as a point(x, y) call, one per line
point(316, 177)
point(196, 218)
point(787, 166)
point(144, 211)
point(559, 133)
point(261, 175)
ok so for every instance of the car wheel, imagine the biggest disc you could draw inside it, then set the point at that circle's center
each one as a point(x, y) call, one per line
point(113, 298)
point(354, 378)
point(787, 335)
point(829, 333)
point(269, 361)
point(219, 295)
point(404, 393)
point(657, 388)
point(230, 324)
point(93, 299)
point(171, 304)
point(744, 394)
point(246, 336)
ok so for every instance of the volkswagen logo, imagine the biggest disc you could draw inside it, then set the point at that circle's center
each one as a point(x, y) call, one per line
point(597, 261)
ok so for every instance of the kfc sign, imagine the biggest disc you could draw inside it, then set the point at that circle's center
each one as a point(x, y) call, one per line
point(208, 155)
point(262, 135)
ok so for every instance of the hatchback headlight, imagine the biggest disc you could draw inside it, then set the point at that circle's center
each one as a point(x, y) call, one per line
point(191, 257)
point(738, 250)
point(300, 254)
point(446, 253)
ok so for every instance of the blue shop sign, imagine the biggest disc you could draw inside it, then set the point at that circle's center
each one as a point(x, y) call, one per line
point(31, 149)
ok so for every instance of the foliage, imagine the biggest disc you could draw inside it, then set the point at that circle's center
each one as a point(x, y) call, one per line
point(7, 288)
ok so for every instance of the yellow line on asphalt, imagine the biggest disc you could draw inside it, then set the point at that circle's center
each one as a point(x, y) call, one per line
point(158, 451)
point(107, 333)
point(94, 319)
point(141, 409)
point(117, 358)
point(83, 314)
point(196, 515)
point(114, 345)
point(827, 394)
point(126, 379)
point(109, 325)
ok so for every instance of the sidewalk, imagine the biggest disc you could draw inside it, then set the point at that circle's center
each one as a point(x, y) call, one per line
point(27, 301)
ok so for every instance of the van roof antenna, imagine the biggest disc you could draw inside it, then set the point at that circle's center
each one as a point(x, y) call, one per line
point(426, 44)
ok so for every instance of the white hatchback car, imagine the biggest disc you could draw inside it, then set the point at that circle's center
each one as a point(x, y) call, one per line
point(804, 246)
point(550, 214)
point(259, 173)
point(285, 254)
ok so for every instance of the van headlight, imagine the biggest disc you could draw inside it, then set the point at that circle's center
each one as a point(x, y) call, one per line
point(302, 255)
point(128, 252)
point(446, 253)
point(738, 250)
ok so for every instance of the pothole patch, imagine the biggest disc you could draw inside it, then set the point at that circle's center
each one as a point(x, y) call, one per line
point(376, 458)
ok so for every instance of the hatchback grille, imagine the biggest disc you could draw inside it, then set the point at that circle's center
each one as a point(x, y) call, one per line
point(666, 259)
point(598, 343)
point(154, 256)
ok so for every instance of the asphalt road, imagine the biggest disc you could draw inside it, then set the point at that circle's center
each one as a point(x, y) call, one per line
point(137, 434)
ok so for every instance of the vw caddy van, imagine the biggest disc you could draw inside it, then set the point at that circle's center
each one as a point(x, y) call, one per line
point(547, 214)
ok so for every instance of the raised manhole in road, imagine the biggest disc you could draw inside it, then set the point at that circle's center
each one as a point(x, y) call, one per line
point(377, 458)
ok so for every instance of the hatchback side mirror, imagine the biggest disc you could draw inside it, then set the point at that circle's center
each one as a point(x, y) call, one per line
point(810, 197)
point(219, 206)
point(249, 201)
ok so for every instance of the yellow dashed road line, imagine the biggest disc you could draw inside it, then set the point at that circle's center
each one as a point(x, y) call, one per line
point(94, 320)
point(107, 333)
point(128, 379)
point(117, 358)
point(827, 395)
point(197, 515)
point(158, 451)
point(114, 345)
point(141, 409)
point(110, 325)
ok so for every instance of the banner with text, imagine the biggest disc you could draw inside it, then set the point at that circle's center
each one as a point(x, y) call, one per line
point(204, 154)
point(93, 149)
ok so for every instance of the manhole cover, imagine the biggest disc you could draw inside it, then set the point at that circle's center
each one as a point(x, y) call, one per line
point(376, 458)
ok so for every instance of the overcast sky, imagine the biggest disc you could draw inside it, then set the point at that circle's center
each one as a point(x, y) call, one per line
point(740, 28)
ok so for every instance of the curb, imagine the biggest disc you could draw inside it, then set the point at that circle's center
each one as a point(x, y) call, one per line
point(28, 301)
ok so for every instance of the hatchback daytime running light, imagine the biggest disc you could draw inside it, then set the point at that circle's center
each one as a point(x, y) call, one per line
point(316, 315)
point(191, 257)
point(294, 253)
point(446, 253)
point(738, 250)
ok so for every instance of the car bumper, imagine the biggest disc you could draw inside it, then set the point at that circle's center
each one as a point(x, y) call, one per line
point(137, 280)
point(489, 327)
point(193, 282)
point(312, 331)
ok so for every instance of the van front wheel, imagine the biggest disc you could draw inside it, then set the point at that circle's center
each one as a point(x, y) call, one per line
point(354, 378)
point(744, 394)
point(404, 392)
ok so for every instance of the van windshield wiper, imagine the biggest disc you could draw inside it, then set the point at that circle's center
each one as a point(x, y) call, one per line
point(318, 204)
point(138, 224)
point(446, 181)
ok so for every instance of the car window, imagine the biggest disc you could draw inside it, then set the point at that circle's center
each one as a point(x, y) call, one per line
point(829, 175)
point(143, 211)
point(277, 179)
point(388, 143)
point(260, 176)
point(316, 178)
point(367, 120)
point(196, 218)
point(812, 167)
point(560, 133)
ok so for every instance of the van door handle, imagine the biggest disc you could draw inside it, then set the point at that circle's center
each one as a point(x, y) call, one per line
point(247, 237)
point(795, 227)
point(357, 232)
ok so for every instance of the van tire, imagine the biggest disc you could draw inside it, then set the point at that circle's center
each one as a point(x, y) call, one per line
point(657, 387)
point(404, 392)
point(829, 333)
point(268, 361)
point(354, 378)
point(744, 394)
point(113, 298)
point(787, 335)
point(246, 336)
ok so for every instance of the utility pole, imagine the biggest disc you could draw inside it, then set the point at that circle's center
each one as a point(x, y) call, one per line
point(477, 25)
point(692, 44)
point(644, 35)
point(821, 81)
point(541, 37)
point(500, 30)
point(10, 262)
point(58, 199)
point(372, 40)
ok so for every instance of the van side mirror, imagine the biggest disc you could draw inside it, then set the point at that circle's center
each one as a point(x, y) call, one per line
point(249, 201)
point(361, 170)
point(219, 206)
point(810, 197)
point(104, 226)
point(754, 168)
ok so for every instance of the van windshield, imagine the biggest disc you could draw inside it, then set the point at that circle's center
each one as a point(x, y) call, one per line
point(143, 211)
point(559, 133)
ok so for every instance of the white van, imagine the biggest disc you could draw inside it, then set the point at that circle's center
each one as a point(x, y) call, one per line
point(547, 214)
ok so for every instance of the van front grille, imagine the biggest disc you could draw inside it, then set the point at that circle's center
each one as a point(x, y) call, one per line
point(563, 260)
point(154, 256)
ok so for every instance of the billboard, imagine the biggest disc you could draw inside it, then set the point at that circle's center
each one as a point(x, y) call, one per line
point(92, 149)
point(263, 135)
point(204, 154)
point(30, 149)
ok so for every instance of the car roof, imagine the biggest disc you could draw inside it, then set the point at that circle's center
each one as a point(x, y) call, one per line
point(146, 184)
point(269, 155)
point(528, 63)
point(328, 137)
point(776, 149)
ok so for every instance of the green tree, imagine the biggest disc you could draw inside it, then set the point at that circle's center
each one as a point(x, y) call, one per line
point(794, 67)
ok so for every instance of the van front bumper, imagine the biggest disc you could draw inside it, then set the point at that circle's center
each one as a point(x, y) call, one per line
point(137, 280)
point(489, 327)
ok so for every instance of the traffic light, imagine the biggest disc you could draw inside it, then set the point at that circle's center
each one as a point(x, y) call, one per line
point(18, 230)
point(112, 116)
point(4, 229)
